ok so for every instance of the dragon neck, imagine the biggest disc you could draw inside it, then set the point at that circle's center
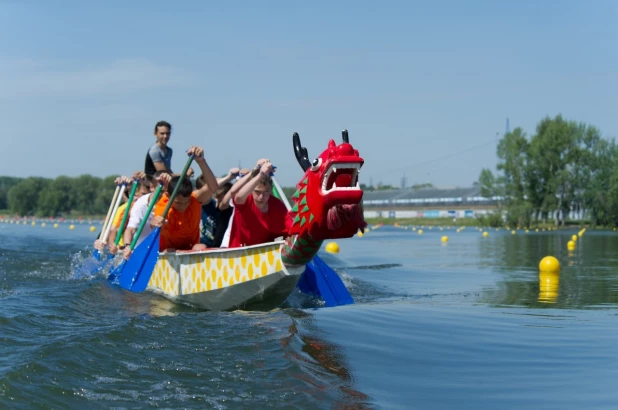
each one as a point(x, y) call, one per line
point(299, 250)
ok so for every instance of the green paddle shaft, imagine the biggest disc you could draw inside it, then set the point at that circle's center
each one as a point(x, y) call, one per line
point(126, 213)
point(143, 223)
point(177, 187)
point(156, 196)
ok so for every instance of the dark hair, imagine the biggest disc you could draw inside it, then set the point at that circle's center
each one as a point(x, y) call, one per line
point(223, 189)
point(146, 182)
point(163, 124)
point(264, 179)
point(186, 188)
point(199, 182)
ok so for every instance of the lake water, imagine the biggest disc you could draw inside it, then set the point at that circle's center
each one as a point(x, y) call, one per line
point(465, 325)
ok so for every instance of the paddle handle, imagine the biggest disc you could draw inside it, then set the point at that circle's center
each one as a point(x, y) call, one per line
point(126, 213)
point(177, 187)
point(281, 193)
point(111, 207)
point(155, 198)
point(116, 205)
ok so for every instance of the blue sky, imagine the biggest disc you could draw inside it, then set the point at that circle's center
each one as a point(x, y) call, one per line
point(423, 87)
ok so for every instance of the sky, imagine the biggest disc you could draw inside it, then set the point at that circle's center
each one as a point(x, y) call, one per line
point(424, 88)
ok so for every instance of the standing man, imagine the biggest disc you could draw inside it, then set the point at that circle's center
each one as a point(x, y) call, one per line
point(159, 156)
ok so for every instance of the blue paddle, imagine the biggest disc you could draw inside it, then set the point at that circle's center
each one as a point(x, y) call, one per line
point(318, 278)
point(120, 268)
point(138, 269)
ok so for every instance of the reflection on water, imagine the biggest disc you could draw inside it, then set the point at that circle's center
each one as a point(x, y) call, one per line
point(324, 363)
point(588, 276)
point(548, 286)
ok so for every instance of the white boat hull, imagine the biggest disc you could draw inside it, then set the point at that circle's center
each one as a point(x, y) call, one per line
point(225, 279)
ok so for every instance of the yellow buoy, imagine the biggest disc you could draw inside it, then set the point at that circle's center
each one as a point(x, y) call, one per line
point(360, 234)
point(332, 247)
point(55, 225)
point(574, 238)
point(43, 225)
point(513, 232)
point(536, 230)
point(485, 234)
point(92, 229)
point(71, 227)
point(445, 239)
point(420, 231)
point(33, 223)
point(571, 245)
point(549, 264)
point(367, 230)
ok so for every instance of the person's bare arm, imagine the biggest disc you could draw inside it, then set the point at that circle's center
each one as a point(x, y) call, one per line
point(245, 191)
point(160, 166)
point(230, 175)
point(210, 181)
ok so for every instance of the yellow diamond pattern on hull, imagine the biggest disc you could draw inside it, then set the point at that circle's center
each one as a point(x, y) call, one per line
point(183, 274)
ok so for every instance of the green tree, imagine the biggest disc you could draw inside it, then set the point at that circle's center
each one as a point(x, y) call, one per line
point(513, 162)
point(84, 192)
point(105, 195)
point(6, 183)
point(23, 198)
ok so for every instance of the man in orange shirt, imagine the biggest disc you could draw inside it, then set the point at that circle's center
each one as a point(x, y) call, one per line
point(181, 229)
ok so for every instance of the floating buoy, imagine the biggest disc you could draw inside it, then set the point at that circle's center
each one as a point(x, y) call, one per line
point(574, 238)
point(332, 247)
point(571, 245)
point(485, 234)
point(549, 264)
point(360, 234)
point(92, 229)
point(55, 225)
point(43, 225)
point(71, 227)
point(367, 230)
point(536, 230)
point(33, 223)
point(445, 239)
point(420, 231)
point(513, 232)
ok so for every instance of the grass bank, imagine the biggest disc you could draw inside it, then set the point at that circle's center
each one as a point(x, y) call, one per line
point(473, 222)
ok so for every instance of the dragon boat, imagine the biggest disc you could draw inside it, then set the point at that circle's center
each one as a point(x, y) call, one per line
point(326, 205)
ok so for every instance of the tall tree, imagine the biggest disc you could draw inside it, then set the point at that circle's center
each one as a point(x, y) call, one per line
point(512, 153)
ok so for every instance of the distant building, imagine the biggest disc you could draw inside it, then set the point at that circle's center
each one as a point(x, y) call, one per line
point(428, 203)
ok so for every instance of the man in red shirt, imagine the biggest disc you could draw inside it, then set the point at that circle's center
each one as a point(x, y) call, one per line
point(259, 217)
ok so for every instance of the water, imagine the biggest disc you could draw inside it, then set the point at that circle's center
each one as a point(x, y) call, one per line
point(465, 325)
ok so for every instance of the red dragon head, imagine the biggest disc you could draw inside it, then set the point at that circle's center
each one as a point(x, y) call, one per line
point(328, 199)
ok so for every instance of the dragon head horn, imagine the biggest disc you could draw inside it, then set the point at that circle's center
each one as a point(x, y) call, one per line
point(302, 156)
point(345, 137)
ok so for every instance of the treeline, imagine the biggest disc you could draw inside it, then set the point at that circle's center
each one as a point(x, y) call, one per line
point(564, 167)
point(85, 194)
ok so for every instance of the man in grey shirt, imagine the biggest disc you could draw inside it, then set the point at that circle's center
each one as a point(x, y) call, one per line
point(159, 156)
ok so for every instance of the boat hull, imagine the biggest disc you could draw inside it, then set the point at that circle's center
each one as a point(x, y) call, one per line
point(226, 279)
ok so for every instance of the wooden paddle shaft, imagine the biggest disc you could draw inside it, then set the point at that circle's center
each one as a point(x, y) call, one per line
point(109, 211)
point(116, 205)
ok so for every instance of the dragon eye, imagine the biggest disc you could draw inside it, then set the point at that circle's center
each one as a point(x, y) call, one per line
point(316, 164)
